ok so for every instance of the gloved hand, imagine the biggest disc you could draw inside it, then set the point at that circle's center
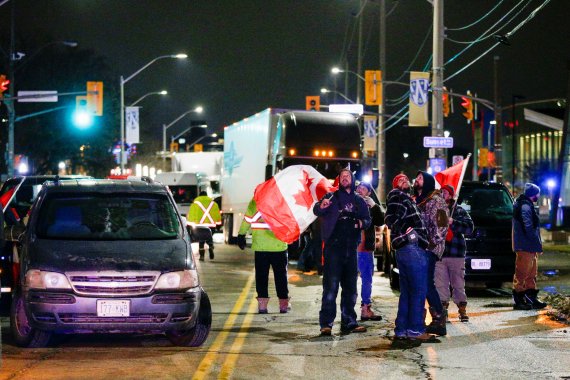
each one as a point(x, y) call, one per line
point(241, 242)
point(369, 201)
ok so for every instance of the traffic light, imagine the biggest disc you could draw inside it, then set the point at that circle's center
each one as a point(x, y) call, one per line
point(446, 102)
point(173, 147)
point(373, 87)
point(82, 118)
point(467, 104)
point(313, 103)
point(483, 159)
point(95, 101)
point(3, 85)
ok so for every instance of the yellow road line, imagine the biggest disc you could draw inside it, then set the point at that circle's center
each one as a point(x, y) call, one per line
point(230, 362)
point(206, 363)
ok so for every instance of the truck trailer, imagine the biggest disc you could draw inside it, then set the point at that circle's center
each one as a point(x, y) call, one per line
point(258, 146)
point(209, 163)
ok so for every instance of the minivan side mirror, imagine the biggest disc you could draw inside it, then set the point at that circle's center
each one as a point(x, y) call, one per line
point(13, 233)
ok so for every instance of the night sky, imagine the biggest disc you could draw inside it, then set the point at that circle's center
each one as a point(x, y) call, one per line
point(245, 56)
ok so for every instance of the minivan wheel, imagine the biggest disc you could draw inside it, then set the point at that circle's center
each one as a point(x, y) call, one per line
point(197, 335)
point(25, 335)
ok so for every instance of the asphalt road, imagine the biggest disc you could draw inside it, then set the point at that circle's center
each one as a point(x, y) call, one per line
point(497, 343)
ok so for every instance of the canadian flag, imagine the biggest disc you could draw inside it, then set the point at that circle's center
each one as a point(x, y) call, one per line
point(453, 175)
point(286, 200)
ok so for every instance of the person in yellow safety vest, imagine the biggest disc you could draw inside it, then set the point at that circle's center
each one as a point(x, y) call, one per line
point(269, 252)
point(204, 212)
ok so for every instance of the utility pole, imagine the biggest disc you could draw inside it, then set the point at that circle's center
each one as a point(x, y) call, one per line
point(10, 103)
point(499, 122)
point(437, 81)
point(381, 144)
point(562, 189)
point(359, 59)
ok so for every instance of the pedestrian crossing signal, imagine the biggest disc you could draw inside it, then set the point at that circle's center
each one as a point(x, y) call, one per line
point(313, 103)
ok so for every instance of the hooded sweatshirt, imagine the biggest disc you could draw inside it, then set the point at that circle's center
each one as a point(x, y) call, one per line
point(340, 219)
point(435, 214)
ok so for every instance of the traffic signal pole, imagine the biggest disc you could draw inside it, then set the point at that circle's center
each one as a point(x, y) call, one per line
point(10, 103)
point(381, 143)
point(437, 80)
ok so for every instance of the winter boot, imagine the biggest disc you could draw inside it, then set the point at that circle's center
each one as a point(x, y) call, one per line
point(366, 314)
point(445, 305)
point(462, 307)
point(530, 297)
point(211, 253)
point(438, 321)
point(284, 305)
point(520, 301)
point(262, 305)
point(202, 251)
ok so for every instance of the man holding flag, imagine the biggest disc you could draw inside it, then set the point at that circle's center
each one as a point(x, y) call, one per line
point(344, 215)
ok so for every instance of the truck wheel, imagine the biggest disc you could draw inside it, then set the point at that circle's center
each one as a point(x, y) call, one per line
point(197, 335)
point(25, 335)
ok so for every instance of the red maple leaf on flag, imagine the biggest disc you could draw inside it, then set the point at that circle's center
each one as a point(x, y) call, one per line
point(304, 196)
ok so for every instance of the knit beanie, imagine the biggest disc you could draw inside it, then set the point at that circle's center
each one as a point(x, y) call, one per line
point(530, 190)
point(398, 180)
point(450, 189)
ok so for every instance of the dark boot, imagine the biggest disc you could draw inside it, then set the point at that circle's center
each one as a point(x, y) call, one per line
point(211, 253)
point(202, 251)
point(438, 321)
point(462, 307)
point(445, 305)
point(530, 297)
point(520, 301)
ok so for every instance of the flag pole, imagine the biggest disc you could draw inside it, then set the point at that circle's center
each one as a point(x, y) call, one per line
point(456, 196)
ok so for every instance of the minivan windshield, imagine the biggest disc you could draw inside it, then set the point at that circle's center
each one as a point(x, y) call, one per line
point(93, 216)
point(486, 201)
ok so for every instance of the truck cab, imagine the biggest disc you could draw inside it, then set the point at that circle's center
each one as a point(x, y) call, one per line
point(185, 187)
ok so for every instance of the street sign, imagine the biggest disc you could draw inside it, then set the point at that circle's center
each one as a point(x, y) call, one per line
point(456, 159)
point(436, 165)
point(37, 96)
point(438, 142)
point(347, 108)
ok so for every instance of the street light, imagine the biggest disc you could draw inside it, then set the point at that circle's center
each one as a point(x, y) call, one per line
point(326, 91)
point(13, 57)
point(122, 84)
point(166, 126)
point(336, 70)
point(163, 92)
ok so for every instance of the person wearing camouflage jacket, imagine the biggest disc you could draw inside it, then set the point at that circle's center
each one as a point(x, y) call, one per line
point(435, 215)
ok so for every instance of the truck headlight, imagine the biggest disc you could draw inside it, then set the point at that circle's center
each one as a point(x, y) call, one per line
point(178, 280)
point(37, 279)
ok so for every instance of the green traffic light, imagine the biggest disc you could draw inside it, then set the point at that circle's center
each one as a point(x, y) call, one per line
point(82, 119)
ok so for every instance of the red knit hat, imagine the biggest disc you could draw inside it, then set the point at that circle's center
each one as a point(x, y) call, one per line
point(397, 181)
point(450, 189)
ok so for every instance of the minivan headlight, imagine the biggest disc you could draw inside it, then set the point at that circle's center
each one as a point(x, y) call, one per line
point(38, 279)
point(178, 280)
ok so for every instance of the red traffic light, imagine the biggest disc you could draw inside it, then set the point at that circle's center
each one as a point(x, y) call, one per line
point(3, 83)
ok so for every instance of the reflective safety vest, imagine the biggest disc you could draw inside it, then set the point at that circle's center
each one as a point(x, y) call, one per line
point(257, 222)
point(201, 215)
point(263, 239)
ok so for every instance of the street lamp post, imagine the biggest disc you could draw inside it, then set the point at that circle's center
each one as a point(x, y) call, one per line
point(166, 126)
point(122, 85)
point(326, 91)
point(163, 92)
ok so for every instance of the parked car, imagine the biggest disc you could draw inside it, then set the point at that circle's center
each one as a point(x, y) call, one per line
point(489, 256)
point(105, 256)
point(20, 191)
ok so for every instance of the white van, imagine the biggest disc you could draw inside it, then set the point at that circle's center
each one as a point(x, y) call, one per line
point(185, 187)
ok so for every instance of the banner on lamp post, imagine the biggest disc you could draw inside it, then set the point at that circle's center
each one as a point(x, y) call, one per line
point(370, 133)
point(419, 91)
point(132, 125)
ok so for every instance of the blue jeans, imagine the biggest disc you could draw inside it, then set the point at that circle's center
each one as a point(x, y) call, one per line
point(340, 268)
point(366, 269)
point(432, 295)
point(412, 265)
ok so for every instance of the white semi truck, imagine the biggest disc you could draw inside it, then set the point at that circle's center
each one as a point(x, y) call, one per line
point(258, 146)
point(209, 163)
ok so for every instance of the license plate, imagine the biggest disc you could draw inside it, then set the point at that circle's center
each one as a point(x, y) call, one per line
point(113, 308)
point(480, 264)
